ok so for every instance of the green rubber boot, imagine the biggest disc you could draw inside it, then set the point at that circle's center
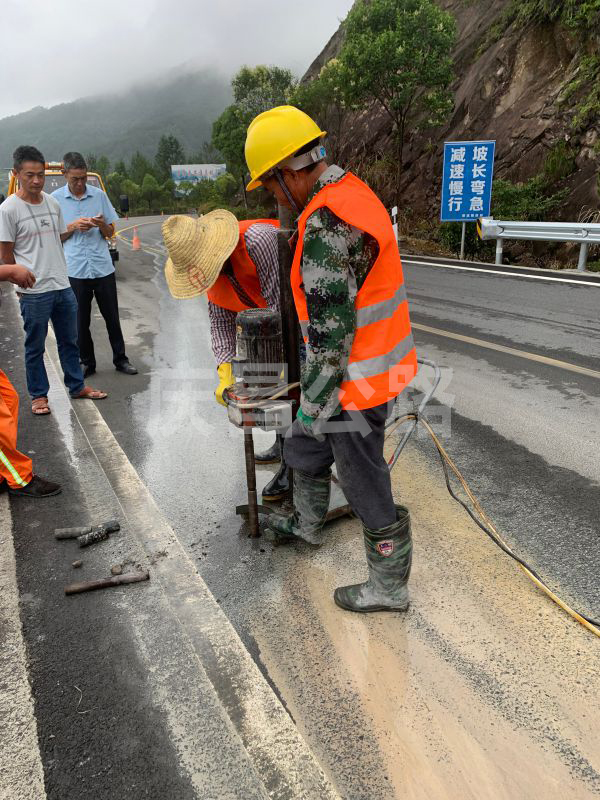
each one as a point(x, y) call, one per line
point(311, 504)
point(389, 555)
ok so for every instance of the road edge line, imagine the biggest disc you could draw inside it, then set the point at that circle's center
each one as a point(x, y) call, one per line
point(24, 759)
point(280, 754)
point(524, 275)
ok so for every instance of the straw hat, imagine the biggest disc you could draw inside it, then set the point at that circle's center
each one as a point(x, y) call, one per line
point(198, 248)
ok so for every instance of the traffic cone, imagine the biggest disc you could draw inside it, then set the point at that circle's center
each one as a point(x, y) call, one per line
point(135, 242)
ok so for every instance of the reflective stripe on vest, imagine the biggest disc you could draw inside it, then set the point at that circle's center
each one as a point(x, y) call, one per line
point(222, 292)
point(375, 366)
point(383, 360)
point(370, 314)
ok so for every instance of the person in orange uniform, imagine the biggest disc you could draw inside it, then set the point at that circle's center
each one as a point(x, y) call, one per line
point(16, 469)
point(236, 264)
point(352, 307)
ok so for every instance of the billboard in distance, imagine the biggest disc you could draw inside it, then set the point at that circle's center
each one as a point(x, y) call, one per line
point(192, 173)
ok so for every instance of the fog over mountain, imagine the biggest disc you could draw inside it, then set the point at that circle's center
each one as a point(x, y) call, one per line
point(63, 50)
point(183, 103)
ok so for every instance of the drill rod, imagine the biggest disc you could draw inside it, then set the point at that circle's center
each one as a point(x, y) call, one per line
point(106, 583)
point(112, 526)
point(251, 483)
point(289, 319)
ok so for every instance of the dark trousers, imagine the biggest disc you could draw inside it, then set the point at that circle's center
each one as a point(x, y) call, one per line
point(105, 292)
point(354, 440)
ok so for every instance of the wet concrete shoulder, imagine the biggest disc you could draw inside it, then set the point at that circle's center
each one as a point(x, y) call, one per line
point(122, 702)
point(100, 732)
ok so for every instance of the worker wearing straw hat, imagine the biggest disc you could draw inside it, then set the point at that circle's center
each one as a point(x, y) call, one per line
point(236, 265)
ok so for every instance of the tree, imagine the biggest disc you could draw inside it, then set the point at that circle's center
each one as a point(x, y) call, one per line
point(150, 190)
point(113, 182)
point(99, 164)
point(225, 186)
point(133, 192)
point(257, 89)
point(121, 169)
point(169, 152)
point(102, 166)
point(398, 53)
point(201, 192)
point(185, 187)
point(229, 136)
point(208, 154)
point(166, 197)
point(139, 167)
point(323, 98)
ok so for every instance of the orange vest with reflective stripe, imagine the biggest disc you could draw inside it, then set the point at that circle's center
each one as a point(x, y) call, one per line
point(222, 292)
point(383, 359)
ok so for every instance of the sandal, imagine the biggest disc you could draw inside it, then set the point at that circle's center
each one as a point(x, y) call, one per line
point(87, 393)
point(40, 406)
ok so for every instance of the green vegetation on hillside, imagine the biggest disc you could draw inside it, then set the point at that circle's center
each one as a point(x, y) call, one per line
point(398, 53)
point(532, 200)
point(579, 17)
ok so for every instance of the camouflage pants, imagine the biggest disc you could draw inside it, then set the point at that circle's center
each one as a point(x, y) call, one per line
point(356, 447)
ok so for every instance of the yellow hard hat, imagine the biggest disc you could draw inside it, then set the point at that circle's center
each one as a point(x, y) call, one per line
point(274, 136)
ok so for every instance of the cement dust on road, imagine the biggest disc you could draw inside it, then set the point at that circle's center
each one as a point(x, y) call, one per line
point(485, 689)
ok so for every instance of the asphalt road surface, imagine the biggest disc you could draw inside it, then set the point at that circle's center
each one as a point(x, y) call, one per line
point(484, 689)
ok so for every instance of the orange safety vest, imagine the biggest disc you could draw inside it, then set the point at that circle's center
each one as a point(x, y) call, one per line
point(383, 359)
point(222, 292)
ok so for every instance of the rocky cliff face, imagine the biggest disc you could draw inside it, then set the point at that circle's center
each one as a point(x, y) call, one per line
point(511, 91)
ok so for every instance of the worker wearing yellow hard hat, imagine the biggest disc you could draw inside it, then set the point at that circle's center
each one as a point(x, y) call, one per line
point(351, 303)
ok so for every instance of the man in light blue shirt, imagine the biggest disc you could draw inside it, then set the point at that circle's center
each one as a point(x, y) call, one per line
point(90, 219)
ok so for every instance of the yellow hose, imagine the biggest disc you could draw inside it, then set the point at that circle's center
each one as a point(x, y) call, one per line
point(492, 528)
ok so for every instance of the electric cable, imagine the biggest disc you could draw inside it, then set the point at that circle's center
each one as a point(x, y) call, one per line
point(485, 523)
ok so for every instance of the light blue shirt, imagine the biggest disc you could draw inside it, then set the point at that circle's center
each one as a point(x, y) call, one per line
point(86, 252)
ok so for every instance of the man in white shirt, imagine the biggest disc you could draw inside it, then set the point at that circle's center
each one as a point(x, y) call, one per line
point(31, 232)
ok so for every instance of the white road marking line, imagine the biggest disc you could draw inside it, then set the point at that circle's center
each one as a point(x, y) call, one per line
point(553, 362)
point(275, 746)
point(19, 749)
point(497, 272)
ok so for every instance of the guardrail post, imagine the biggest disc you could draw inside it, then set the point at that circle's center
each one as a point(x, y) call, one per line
point(583, 256)
point(498, 251)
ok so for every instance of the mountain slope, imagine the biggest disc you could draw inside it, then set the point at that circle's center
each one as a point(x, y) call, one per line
point(513, 85)
point(119, 124)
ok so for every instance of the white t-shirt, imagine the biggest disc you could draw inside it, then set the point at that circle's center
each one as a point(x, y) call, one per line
point(35, 232)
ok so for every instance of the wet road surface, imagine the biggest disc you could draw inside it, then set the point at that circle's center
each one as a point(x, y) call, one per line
point(485, 689)
point(523, 433)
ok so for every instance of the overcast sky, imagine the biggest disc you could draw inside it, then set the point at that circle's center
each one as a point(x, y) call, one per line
point(57, 51)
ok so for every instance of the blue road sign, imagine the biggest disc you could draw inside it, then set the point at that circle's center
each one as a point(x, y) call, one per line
point(467, 182)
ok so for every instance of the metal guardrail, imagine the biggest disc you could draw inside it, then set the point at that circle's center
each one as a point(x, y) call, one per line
point(585, 233)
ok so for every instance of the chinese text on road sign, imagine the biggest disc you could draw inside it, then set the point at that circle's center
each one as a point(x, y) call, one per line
point(467, 183)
